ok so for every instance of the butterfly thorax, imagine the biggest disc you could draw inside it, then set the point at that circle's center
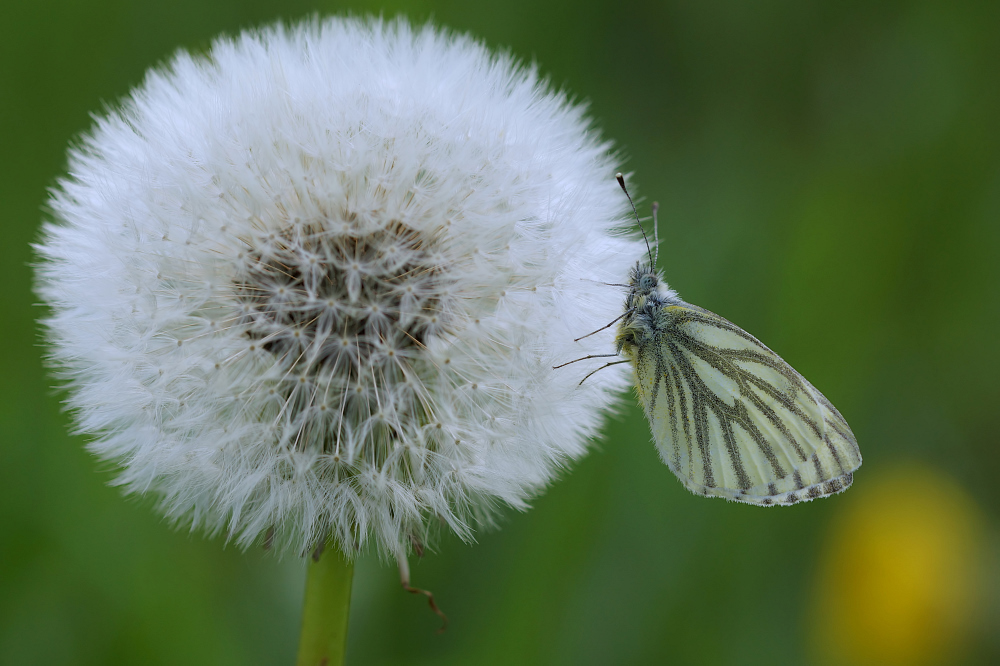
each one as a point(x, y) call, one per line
point(647, 296)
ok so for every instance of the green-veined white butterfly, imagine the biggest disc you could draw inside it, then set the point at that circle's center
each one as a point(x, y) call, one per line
point(730, 418)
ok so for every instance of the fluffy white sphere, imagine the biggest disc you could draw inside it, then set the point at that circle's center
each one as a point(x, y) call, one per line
point(314, 284)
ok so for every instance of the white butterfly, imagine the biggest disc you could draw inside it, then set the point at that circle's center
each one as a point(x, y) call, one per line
point(730, 418)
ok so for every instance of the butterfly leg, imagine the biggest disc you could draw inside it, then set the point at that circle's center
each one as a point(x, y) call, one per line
point(582, 358)
point(606, 365)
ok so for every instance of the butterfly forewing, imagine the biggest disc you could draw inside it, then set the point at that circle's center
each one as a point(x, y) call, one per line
point(733, 420)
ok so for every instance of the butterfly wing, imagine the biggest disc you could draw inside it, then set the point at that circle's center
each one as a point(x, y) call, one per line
point(732, 419)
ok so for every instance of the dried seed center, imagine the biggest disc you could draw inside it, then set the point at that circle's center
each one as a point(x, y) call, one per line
point(345, 315)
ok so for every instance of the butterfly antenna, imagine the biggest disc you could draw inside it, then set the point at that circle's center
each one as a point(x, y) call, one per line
point(621, 183)
point(656, 232)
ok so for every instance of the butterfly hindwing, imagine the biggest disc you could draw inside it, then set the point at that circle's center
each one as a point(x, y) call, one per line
point(732, 419)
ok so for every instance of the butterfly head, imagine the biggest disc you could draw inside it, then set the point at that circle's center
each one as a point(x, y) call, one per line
point(643, 280)
point(646, 285)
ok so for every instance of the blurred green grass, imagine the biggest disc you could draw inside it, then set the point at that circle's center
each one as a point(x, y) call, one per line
point(829, 179)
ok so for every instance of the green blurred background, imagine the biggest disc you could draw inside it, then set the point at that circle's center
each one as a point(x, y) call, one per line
point(829, 175)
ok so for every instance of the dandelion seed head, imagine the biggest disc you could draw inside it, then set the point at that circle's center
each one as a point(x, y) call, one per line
point(313, 285)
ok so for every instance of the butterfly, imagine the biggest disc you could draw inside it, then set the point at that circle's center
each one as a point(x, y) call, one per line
point(729, 417)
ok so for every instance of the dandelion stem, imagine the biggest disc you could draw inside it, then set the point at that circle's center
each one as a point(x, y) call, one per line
point(326, 608)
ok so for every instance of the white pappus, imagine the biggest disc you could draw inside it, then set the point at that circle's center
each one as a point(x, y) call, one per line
point(313, 284)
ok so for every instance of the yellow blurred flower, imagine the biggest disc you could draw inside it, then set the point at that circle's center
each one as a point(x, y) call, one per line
point(901, 571)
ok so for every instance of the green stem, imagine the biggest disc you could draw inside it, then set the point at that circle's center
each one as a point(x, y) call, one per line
point(327, 605)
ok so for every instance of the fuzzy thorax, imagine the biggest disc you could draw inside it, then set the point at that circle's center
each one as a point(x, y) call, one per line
point(644, 316)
